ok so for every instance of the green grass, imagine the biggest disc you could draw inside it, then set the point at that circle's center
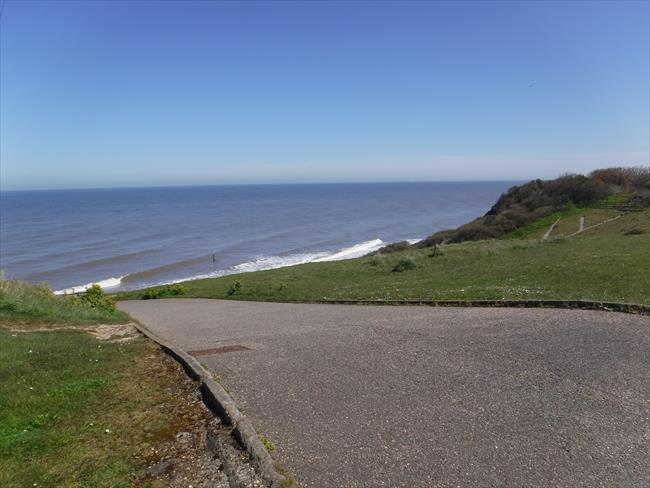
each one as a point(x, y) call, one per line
point(533, 229)
point(604, 265)
point(60, 390)
point(618, 198)
point(25, 303)
point(536, 229)
point(570, 224)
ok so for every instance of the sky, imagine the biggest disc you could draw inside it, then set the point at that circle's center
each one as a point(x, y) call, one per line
point(146, 93)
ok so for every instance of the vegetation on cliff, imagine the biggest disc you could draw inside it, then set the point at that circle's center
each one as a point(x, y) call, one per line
point(623, 188)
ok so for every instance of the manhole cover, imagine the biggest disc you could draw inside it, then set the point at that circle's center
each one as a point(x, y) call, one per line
point(219, 350)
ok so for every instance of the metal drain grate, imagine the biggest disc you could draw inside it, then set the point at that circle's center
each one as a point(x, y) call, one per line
point(219, 350)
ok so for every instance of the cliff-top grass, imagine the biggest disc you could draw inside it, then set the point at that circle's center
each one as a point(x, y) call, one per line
point(610, 262)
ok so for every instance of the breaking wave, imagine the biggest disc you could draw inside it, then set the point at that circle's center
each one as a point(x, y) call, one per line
point(272, 262)
point(258, 264)
point(105, 284)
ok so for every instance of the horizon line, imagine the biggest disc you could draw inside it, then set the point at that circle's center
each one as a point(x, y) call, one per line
point(126, 187)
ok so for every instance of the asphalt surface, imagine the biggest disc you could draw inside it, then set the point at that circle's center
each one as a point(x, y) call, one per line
point(363, 396)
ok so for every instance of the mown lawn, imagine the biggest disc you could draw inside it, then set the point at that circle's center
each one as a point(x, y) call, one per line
point(604, 264)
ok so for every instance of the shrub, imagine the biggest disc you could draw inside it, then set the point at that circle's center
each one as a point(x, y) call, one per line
point(577, 189)
point(404, 264)
point(535, 194)
point(640, 200)
point(96, 298)
point(150, 294)
point(628, 178)
point(235, 287)
point(633, 232)
point(473, 232)
point(164, 291)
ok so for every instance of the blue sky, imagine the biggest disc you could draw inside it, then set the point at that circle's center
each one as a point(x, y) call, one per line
point(97, 94)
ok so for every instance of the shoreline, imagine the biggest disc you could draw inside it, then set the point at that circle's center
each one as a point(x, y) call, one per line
point(263, 263)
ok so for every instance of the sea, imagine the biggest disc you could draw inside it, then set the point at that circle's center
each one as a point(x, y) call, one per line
point(130, 238)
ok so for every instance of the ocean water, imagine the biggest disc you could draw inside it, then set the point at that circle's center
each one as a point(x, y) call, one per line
point(135, 237)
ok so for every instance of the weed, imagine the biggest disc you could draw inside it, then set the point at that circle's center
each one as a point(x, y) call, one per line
point(235, 287)
point(561, 239)
point(404, 264)
point(267, 443)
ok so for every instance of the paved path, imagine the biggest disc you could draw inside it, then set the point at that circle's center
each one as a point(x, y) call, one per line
point(361, 396)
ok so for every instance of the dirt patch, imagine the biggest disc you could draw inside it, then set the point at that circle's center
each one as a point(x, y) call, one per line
point(104, 332)
point(114, 332)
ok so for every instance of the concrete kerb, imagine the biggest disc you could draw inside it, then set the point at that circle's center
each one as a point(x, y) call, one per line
point(631, 308)
point(219, 401)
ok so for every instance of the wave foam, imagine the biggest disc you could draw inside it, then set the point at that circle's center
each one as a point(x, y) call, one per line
point(355, 251)
point(258, 264)
point(104, 284)
point(272, 262)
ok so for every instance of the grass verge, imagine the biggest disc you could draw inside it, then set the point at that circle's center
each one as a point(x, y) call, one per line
point(79, 411)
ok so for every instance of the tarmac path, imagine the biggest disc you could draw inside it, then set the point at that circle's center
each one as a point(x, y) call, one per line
point(391, 396)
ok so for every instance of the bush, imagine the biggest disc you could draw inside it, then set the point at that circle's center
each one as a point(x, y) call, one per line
point(235, 287)
point(96, 298)
point(580, 190)
point(164, 291)
point(473, 232)
point(404, 264)
point(627, 178)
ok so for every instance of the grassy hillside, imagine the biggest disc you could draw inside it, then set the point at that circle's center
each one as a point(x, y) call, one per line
point(610, 262)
